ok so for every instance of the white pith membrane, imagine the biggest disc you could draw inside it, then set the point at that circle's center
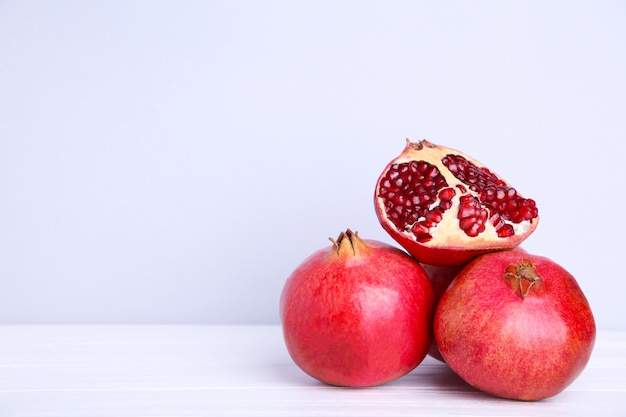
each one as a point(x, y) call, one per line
point(447, 233)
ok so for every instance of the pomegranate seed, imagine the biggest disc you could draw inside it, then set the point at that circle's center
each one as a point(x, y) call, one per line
point(511, 192)
point(497, 221)
point(467, 223)
point(421, 232)
point(423, 238)
point(434, 216)
point(477, 229)
point(466, 212)
point(527, 213)
point(511, 205)
point(506, 231)
point(471, 226)
point(447, 194)
point(440, 182)
point(431, 172)
point(445, 205)
point(488, 193)
point(466, 199)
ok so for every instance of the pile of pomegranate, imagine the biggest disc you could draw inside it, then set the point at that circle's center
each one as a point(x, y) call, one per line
point(511, 324)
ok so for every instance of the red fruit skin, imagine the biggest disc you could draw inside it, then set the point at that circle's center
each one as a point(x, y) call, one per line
point(358, 320)
point(440, 277)
point(451, 256)
point(510, 346)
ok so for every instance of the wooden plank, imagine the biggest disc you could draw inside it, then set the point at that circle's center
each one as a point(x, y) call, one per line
point(142, 371)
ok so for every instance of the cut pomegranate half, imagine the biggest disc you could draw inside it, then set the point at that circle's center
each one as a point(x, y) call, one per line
point(446, 208)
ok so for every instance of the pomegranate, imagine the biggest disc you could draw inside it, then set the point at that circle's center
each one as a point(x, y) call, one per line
point(446, 208)
point(515, 325)
point(358, 313)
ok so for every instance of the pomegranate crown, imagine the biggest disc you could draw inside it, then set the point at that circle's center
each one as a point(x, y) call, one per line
point(349, 242)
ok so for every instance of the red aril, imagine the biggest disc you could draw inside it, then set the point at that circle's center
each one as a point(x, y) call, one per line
point(515, 325)
point(358, 313)
point(446, 208)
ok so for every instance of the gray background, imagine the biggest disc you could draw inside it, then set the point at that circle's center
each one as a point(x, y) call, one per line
point(173, 162)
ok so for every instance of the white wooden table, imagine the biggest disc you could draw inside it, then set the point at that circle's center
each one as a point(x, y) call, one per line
point(143, 371)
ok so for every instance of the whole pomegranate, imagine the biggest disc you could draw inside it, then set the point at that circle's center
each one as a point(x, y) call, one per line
point(515, 325)
point(358, 313)
point(446, 208)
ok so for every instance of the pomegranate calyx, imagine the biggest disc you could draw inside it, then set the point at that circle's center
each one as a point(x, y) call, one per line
point(523, 274)
point(349, 243)
point(419, 145)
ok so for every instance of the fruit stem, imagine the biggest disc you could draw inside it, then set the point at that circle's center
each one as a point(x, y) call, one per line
point(417, 146)
point(524, 273)
point(349, 242)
